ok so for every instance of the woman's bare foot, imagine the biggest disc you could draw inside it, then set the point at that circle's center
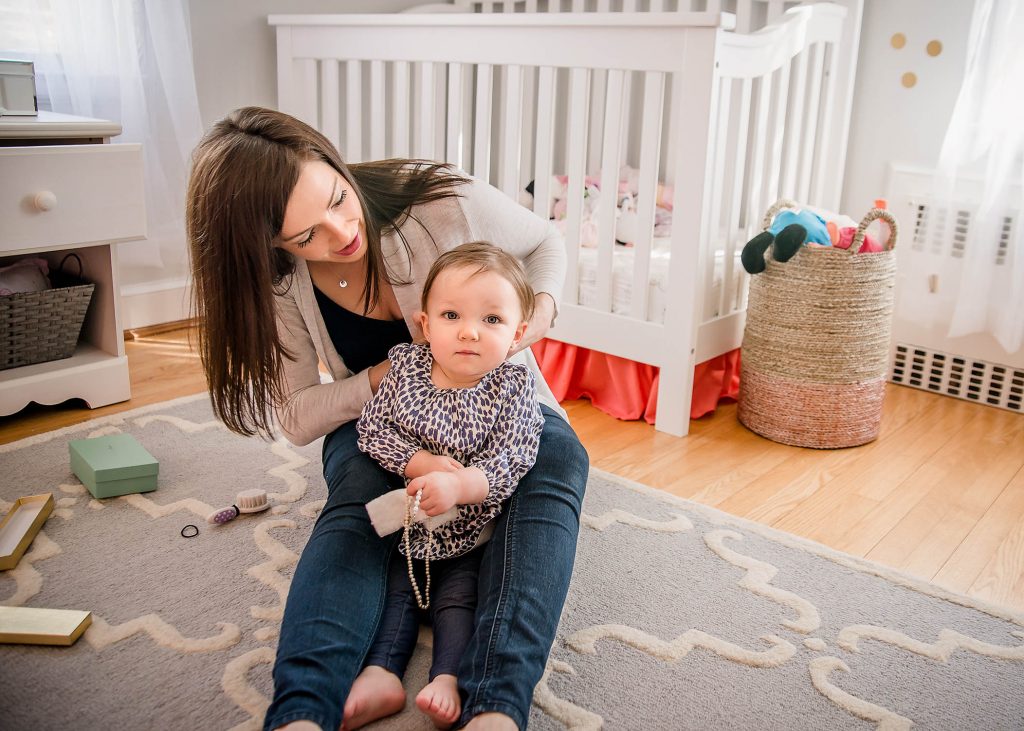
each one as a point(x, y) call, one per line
point(375, 694)
point(440, 700)
point(491, 722)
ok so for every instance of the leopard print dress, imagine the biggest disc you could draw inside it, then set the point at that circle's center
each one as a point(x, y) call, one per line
point(494, 426)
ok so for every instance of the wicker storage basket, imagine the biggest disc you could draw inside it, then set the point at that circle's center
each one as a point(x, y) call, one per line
point(42, 326)
point(816, 344)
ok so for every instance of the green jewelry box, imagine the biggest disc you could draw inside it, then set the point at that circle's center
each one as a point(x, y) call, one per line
point(113, 465)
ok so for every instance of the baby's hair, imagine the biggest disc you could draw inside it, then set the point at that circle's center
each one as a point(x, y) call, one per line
point(485, 257)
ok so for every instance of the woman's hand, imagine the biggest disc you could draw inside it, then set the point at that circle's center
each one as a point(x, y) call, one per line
point(540, 323)
point(377, 374)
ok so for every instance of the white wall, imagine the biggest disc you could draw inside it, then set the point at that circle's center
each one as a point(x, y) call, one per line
point(235, 64)
point(890, 121)
point(234, 51)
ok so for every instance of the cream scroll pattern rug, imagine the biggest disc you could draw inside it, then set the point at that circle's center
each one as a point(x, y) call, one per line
point(678, 617)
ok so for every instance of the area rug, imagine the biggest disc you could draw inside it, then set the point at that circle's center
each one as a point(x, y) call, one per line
point(678, 617)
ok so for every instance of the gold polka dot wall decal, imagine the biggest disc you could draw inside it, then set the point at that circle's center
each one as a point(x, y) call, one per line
point(934, 48)
point(909, 79)
point(898, 40)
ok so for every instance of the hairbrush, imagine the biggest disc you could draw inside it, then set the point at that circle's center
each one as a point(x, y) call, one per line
point(247, 501)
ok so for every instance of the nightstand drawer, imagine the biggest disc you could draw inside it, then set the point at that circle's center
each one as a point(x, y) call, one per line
point(70, 195)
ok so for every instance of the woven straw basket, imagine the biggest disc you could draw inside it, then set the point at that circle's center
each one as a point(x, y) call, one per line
point(36, 327)
point(816, 345)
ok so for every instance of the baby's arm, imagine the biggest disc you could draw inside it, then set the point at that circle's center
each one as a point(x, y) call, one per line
point(507, 455)
point(379, 435)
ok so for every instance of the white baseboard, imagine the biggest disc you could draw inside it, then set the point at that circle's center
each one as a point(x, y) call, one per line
point(154, 303)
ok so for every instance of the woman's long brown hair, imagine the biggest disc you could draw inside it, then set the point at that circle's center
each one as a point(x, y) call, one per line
point(243, 172)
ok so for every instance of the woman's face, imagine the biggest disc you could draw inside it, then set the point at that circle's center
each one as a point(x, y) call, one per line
point(323, 220)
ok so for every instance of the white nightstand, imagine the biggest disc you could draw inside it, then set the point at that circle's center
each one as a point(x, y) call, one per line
point(64, 188)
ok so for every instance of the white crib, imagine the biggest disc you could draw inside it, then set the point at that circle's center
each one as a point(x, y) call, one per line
point(729, 120)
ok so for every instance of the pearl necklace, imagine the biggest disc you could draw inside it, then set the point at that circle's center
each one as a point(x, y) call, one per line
point(412, 507)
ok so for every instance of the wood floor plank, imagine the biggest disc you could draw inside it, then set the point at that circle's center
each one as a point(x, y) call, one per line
point(926, 535)
point(969, 559)
point(877, 470)
point(1002, 579)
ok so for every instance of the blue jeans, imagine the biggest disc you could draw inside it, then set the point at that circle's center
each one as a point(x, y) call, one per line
point(334, 605)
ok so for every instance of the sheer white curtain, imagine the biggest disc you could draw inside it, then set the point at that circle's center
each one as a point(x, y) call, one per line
point(986, 133)
point(129, 61)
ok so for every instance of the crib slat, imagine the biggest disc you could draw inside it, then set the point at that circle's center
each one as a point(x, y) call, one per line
point(810, 136)
point(629, 6)
point(744, 16)
point(400, 110)
point(440, 110)
point(794, 125)
point(378, 119)
point(482, 125)
point(821, 171)
point(598, 85)
point(578, 6)
point(576, 170)
point(425, 96)
point(330, 121)
point(543, 168)
point(781, 100)
point(647, 190)
point(527, 115)
point(603, 6)
point(306, 100)
point(756, 204)
point(285, 69)
point(713, 223)
point(531, 6)
point(657, 6)
point(353, 151)
point(610, 156)
point(726, 302)
point(453, 125)
point(512, 125)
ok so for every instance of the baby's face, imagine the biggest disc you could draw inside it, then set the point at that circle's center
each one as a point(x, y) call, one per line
point(472, 322)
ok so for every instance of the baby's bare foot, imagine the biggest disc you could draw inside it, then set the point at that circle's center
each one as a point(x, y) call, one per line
point(440, 700)
point(375, 694)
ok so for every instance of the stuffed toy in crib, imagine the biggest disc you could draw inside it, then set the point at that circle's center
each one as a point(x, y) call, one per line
point(797, 226)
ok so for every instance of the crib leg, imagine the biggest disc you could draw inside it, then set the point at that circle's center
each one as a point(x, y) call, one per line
point(675, 392)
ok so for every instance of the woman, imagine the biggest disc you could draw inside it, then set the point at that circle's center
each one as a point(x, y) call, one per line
point(298, 258)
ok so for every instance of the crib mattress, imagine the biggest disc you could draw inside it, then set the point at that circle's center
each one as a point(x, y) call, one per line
point(657, 285)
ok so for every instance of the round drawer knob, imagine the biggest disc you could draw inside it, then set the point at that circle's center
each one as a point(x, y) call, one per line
point(44, 200)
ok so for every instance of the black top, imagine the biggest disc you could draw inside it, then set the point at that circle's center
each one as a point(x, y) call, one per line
point(360, 341)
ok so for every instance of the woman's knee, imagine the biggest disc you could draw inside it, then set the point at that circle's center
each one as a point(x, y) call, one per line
point(562, 462)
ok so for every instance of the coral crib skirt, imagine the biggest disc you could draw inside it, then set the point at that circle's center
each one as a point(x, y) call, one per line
point(626, 389)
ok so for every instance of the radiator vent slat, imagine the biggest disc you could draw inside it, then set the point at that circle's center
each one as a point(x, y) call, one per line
point(970, 379)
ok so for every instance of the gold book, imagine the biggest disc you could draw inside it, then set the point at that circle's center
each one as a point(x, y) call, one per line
point(20, 526)
point(35, 626)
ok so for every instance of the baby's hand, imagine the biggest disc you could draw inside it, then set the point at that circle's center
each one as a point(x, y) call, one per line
point(440, 491)
point(423, 462)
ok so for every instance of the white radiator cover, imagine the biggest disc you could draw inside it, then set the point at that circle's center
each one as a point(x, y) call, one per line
point(923, 355)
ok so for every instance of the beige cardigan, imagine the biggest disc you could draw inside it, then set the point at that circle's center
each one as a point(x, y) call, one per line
point(312, 409)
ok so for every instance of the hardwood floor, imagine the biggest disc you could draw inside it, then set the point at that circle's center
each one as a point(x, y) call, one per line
point(939, 495)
